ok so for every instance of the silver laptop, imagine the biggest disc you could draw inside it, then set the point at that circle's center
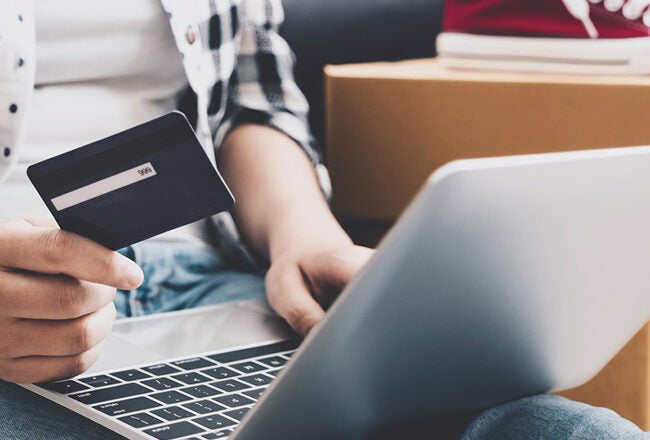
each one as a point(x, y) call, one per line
point(504, 278)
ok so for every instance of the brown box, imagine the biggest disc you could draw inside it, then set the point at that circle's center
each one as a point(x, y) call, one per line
point(389, 125)
point(624, 384)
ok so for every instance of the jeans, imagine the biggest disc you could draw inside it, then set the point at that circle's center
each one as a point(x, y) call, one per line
point(181, 276)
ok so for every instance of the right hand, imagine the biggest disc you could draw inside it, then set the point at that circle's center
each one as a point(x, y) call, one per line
point(56, 300)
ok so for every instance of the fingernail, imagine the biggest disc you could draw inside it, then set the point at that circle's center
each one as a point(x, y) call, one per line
point(134, 275)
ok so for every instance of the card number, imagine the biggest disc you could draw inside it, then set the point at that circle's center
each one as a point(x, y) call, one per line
point(104, 186)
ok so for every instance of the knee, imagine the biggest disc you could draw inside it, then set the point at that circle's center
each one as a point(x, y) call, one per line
point(548, 417)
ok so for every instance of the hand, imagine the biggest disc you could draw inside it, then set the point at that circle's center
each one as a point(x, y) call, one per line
point(302, 284)
point(56, 300)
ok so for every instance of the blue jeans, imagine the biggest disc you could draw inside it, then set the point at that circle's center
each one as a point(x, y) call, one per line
point(181, 276)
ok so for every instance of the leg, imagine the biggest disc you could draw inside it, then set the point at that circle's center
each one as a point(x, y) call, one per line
point(182, 275)
point(27, 416)
point(549, 417)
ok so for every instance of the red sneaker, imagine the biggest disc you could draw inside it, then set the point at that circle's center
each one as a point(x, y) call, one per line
point(561, 36)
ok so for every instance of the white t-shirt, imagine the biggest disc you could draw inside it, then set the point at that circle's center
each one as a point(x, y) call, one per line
point(102, 67)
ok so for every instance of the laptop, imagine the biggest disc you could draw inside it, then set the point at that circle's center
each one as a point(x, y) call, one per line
point(505, 277)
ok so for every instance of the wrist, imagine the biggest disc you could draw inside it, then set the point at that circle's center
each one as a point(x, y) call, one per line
point(306, 226)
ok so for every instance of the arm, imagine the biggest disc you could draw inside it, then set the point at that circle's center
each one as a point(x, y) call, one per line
point(282, 213)
point(279, 203)
point(267, 156)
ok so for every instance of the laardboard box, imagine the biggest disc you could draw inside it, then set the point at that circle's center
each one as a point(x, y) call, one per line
point(389, 125)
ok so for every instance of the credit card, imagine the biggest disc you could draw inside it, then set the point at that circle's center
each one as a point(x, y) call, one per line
point(133, 185)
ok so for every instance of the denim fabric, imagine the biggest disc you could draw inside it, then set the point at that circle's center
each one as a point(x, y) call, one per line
point(27, 416)
point(551, 417)
point(182, 276)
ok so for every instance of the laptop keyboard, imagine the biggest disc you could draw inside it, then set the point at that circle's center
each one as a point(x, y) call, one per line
point(195, 398)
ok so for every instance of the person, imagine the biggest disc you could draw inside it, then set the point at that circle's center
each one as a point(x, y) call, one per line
point(72, 72)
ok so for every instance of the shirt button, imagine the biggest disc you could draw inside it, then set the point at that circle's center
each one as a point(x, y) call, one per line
point(190, 35)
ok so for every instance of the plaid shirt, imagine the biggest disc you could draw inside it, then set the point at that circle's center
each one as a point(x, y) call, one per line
point(241, 70)
point(237, 65)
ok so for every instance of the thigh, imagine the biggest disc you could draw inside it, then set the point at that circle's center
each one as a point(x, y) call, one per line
point(548, 417)
point(27, 416)
point(182, 275)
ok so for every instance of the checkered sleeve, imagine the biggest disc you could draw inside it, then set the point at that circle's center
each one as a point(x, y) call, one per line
point(262, 89)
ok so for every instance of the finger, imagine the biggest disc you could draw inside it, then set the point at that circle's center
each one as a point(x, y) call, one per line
point(60, 338)
point(53, 251)
point(338, 268)
point(36, 369)
point(45, 223)
point(36, 296)
point(290, 298)
point(329, 272)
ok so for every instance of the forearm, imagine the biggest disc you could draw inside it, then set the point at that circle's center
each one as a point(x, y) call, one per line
point(279, 203)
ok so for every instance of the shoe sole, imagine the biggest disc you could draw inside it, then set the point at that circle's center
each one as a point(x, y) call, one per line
point(625, 56)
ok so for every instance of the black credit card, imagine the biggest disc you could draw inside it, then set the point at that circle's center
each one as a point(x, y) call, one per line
point(133, 185)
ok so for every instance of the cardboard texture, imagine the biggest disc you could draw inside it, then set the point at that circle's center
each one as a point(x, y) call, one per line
point(389, 125)
point(624, 384)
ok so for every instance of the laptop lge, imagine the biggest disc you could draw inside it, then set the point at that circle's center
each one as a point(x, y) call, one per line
point(505, 277)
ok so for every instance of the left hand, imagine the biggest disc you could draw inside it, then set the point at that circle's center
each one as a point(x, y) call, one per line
point(303, 283)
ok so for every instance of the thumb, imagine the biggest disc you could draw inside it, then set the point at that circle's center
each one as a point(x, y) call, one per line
point(289, 296)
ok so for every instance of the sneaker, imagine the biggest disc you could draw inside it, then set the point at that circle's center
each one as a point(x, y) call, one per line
point(559, 36)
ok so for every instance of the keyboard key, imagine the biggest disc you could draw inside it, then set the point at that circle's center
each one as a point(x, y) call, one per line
point(221, 372)
point(255, 394)
point(234, 400)
point(272, 372)
point(112, 393)
point(237, 414)
point(172, 413)
point(214, 421)
point(64, 387)
point(193, 364)
point(99, 381)
point(161, 369)
point(192, 378)
point(126, 406)
point(257, 380)
point(140, 420)
point(170, 397)
point(130, 375)
point(273, 361)
point(247, 353)
point(201, 391)
point(249, 367)
point(204, 406)
point(218, 434)
point(162, 383)
point(230, 385)
point(174, 430)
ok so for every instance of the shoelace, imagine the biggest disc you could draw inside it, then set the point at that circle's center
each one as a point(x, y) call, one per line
point(631, 9)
